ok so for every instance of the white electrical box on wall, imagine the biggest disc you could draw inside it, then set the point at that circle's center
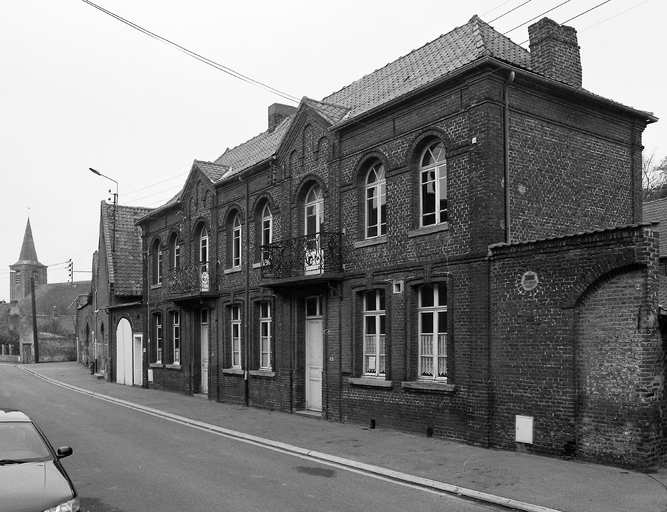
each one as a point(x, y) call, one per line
point(524, 429)
point(150, 375)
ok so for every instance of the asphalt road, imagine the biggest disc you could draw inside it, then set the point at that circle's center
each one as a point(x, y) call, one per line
point(126, 460)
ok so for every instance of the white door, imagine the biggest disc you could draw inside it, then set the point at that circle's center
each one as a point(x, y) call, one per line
point(138, 359)
point(314, 354)
point(314, 222)
point(204, 351)
point(124, 353)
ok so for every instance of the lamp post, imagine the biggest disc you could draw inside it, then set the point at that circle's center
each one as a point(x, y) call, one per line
point(107, 366)
point(115, 205)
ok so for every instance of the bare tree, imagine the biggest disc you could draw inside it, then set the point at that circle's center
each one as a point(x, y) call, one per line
point(654, 177)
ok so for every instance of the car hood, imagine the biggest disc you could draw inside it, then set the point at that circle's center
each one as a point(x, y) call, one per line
point(32, 486)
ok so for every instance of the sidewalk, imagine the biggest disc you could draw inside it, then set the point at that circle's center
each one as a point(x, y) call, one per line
point(532, 483)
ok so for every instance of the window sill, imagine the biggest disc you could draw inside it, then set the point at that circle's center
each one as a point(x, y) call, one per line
point(173, 366)
point(371, 241)
point(232, 270)
point(154, 286)
point(156, 365)
point(257, 265)
point(232, 371)
point(267, 374)
point(368, 382)
point(427, 230)
point(430, 387)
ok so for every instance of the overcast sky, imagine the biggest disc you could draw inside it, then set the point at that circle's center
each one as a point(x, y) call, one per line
point(80, 89)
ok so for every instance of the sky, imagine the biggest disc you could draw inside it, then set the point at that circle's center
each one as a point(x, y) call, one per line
point(80, 88)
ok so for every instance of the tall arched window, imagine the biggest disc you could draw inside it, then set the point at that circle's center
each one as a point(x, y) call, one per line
point(237, 231)
point(175, 252)
point(314, 210)
point(376, 202)
point(156, 259)
point(267, 228)
point(313, 226)
point(204, 259)
point(433, 185)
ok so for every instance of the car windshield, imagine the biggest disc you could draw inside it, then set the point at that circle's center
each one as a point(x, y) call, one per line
point(21, 442)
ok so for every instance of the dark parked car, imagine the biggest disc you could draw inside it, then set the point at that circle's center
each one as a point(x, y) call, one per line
point(32, 479)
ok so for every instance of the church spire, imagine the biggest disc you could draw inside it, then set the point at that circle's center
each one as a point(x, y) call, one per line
point(27, 271)
point(28, 251)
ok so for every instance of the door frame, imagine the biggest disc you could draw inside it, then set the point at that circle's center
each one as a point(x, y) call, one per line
point(316, 319)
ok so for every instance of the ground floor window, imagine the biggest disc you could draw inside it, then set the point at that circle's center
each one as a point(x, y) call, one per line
point(158, 337)
point(265, 335)
point(375, 358)
point(235, 322)
point(433, 332)
point(176, 336)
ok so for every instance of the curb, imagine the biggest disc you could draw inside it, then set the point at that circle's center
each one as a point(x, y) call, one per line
point(277, 445)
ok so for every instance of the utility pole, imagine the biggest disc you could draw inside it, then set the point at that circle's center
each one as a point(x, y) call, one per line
point(34, 320)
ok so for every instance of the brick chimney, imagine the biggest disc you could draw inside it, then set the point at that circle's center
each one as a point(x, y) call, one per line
point(554, 52)
point(278, 112)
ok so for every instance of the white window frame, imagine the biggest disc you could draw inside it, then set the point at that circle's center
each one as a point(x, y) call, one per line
point(375, 342)
point(235, 327)
point(265, 336)
point(203, 250)
point(375, 200)
point(176, 253)
point(176, 336)
point(433, 180)
point(158, 337)
point(237, 235)
point(266, 229)
point(432, 352)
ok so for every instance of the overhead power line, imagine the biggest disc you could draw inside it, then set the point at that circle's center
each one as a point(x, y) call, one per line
point(201, 58)
point(538, 16)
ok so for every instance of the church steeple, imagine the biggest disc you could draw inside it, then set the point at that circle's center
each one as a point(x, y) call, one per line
point(26, 269)
point(28, 251)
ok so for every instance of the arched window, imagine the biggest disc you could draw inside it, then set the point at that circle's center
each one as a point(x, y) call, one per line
point(266, 229)
point(156, 257)
point(204, 257)
point(175, 252)
point(376, 202)
point(237, 231)
point(314, 211)
point(433, 185)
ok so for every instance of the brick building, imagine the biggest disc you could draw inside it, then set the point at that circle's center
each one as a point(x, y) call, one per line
point(442, 247)
point(111, 324)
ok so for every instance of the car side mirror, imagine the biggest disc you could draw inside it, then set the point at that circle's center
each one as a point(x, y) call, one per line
point(64, 451)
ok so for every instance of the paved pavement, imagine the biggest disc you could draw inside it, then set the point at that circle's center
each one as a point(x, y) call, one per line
point(518, 480)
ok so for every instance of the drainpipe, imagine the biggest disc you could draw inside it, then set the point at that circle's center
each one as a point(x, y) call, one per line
point(506, 136)
point(246, 314)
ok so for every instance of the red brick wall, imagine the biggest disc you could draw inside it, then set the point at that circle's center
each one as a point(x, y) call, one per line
point(580, 353)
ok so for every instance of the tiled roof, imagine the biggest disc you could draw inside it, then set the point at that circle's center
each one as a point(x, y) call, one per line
point(213, 171)
point(656, 211)
point(448, 53)
point(125, 268)
point(255, 150)
point(330, 112)
point(55, 298)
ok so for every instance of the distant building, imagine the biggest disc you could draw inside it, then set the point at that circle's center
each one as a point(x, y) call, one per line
point(54, 314)
point(26, 270)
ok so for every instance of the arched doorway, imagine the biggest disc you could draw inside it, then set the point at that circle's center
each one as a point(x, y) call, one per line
point(124, 353)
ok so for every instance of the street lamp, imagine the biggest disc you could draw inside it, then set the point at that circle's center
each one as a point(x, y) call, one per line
point(115, 206)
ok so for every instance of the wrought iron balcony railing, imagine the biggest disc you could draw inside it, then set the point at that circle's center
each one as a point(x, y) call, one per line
point(190, 280)
point(303, 256)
